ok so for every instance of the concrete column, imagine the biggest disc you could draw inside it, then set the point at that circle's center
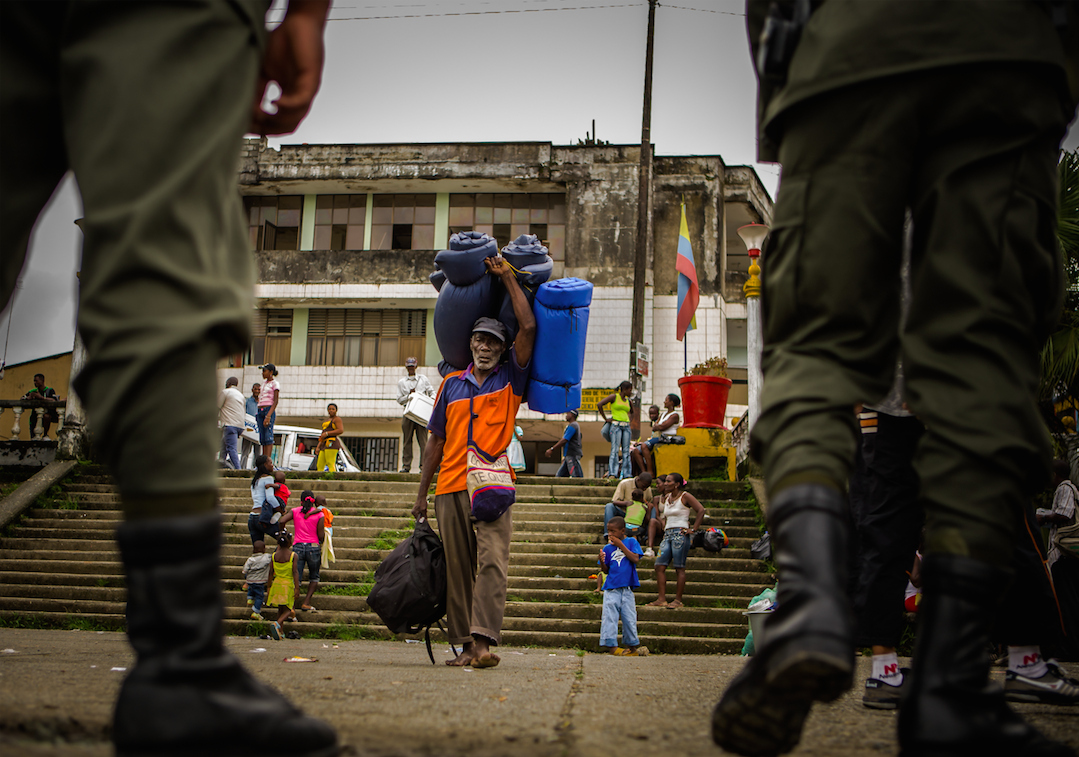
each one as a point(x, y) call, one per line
point(367, 221)
point(298, 348)
point(73, 439)
point(754, 340)
point(442, 220)
point(307, 223)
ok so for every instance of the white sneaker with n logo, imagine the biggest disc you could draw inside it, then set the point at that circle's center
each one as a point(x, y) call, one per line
point(1053, 687)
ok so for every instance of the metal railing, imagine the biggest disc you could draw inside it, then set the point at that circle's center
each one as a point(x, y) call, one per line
point(740, 437)
point(37, 409)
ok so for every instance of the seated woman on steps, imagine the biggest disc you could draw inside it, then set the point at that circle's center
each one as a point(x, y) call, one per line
point(663, 428)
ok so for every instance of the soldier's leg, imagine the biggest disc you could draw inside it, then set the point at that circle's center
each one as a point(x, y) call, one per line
point(156, 101)
point(986, 285)
point(166, 281)
point(986, 281)
point(831, 309)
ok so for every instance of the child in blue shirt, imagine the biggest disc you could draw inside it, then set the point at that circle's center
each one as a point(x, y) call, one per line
point(619, 560)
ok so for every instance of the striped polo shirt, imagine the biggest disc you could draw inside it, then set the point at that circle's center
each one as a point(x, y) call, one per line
point(493, 408)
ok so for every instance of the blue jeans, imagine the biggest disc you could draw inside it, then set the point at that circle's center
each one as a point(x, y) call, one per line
point(618, 603)
point(311, 556)
point(229, 436)
point(258, 533)
point(674, 549)
point(570, 466)
point(609, 511)
point(265, 434)
point(257, 594)
point(620, 440)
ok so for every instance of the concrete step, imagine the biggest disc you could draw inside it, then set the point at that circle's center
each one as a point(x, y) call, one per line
point(528, 583)
point(524, 528)
point(242, 498)
point(682, 645)
point(61, 566)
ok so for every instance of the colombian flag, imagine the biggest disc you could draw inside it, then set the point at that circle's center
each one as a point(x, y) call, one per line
point(689, 294)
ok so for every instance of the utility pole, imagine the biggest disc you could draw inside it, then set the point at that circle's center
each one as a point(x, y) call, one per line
point(644, 225)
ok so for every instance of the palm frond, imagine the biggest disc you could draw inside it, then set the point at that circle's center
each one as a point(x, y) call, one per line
point(1060, 355)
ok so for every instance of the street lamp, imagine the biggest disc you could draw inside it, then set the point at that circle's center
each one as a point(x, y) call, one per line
point(753, 236)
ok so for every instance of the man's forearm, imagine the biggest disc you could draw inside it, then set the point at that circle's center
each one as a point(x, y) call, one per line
point(432, 458)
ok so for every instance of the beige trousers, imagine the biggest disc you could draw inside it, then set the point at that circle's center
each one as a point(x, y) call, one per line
point(477, 563)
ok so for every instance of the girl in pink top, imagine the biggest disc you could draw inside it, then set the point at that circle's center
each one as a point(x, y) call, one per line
point(310, 525)
point(269, 394)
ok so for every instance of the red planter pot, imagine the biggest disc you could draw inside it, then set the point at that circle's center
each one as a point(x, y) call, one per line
point(704, 401)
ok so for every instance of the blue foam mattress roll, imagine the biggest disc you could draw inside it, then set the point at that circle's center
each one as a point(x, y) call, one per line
point(462, 263)
point(535, 274)
point(552, 399)
point(456, 309)
point(565, 293)
point(561, 308)
point(438, 278)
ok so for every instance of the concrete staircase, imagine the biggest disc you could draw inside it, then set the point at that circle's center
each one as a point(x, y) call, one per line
point(59, 566)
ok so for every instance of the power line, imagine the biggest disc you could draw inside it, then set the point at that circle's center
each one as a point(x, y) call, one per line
point(702, 10)
point(481, 12)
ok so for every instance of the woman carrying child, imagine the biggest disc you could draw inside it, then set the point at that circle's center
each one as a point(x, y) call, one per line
point(310, 533)
point(677, 535)
point(261, 489)
point(284, 582)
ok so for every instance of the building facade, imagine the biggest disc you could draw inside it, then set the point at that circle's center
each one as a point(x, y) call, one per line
point(345, 236)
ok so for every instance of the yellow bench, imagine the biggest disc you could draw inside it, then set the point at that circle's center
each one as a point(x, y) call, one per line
point(700, 442)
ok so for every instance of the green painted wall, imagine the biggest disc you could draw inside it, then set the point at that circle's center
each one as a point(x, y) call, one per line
point(431, 353)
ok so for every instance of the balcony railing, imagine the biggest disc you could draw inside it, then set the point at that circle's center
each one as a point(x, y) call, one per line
point(37, 409)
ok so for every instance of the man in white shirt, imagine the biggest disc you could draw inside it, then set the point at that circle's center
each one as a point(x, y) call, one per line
point(406, 387)
point(230, 415)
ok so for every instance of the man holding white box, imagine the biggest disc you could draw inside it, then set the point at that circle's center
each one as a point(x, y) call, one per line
point(412, 384)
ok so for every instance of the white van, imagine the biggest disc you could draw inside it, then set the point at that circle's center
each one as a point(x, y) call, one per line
point(293, 447)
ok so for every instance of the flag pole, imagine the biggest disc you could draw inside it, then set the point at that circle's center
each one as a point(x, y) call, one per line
point(685, 353)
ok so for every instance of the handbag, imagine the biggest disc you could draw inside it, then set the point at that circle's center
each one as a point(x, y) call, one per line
point(605, 432)
point(489, 479)
point(761, 549)
point(1066, 538)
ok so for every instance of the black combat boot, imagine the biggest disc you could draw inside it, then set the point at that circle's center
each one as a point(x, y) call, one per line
point(805, 653)
point(187, 695)
point(950, 709)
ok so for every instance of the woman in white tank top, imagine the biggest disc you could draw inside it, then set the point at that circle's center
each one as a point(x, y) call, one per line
point(675, 509)
point(664, 427)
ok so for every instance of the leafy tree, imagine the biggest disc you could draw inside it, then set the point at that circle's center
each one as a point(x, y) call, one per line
point(1060, 355)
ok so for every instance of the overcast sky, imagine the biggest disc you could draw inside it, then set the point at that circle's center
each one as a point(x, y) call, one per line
point(500, 70)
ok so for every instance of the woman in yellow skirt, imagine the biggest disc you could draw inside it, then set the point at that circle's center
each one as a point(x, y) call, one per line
point(328, 443)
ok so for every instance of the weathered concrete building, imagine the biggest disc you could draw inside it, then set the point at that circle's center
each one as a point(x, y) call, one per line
point(345, 237)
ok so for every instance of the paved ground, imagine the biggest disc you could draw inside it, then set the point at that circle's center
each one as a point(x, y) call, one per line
point(387, 700)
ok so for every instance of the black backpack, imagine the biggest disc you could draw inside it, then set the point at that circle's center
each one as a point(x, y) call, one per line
point(410, 585)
